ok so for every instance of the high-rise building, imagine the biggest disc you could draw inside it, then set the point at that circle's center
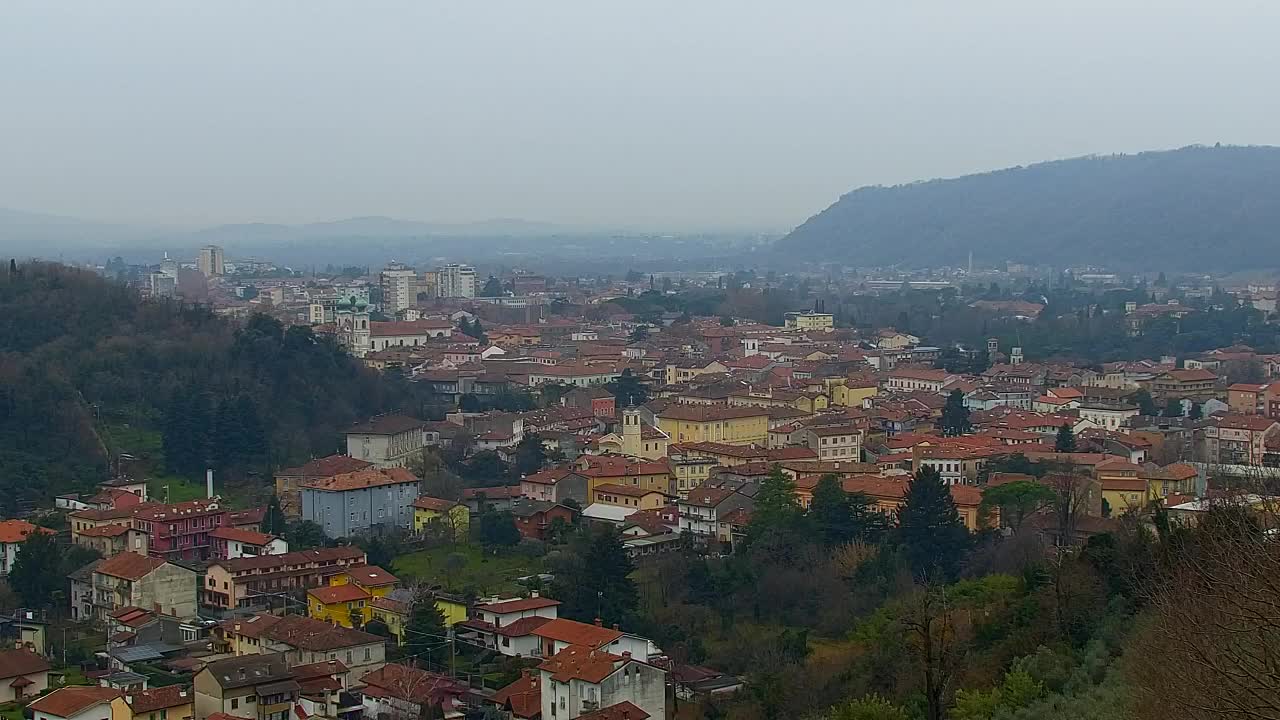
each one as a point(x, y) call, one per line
point(457, 281)
point(399, 288)
point(211, 261)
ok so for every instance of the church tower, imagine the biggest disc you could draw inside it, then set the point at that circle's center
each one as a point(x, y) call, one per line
point(631, 440)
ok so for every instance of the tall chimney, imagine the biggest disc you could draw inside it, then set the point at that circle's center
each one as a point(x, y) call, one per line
point(208, 482)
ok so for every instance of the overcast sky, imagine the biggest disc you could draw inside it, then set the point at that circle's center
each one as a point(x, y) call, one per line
point(678, 115)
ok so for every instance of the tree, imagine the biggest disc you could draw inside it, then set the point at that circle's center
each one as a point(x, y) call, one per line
point(425, 634)
point(492, 288)
point(1066, 440)
point(498, 529)
point(830, 514)
point(869, 707)
point(726, 321)
point(37, 570)
point(304, 534)
point(1146, 404)
point(774, 530)
point(933, 537)
point(937, 630)
point(530, 455)
point(640, 334)
point(1197, 411)
point(274, 521)
point(597, 582)
point(628, 391)
point(955, 416)
point(1174, 408)
point(477, 331)
point(1016, 501)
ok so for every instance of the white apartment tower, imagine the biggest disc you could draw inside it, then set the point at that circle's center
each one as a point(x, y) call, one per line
point(211, 261)
point(399, 288)
point(457, 281)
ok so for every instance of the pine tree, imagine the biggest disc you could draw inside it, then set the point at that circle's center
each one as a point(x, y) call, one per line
point(776, 519)
point(425, 635)
point(597, 582)
point(36, 572)
point(1066, 440)
point(1174, 408)
point(933, 537)
point(830, 513)
point(274, 521)
point(955, 416)
point(1197, 411)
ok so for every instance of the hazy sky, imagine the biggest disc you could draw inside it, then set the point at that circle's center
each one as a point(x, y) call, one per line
point(656, 114)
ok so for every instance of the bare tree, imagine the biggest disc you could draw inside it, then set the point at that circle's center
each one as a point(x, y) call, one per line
point(1074, 494)
point(1211, 648)
point(938, 633)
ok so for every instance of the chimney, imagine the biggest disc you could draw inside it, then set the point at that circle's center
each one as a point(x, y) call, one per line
point(615, 626)
point(128, 699)
point(208, 482)
point(626, 654)
point(241, 670)
point(533, 594)
point(599, 622)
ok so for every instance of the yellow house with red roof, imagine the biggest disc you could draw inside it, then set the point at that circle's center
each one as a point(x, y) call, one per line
point(348, 595)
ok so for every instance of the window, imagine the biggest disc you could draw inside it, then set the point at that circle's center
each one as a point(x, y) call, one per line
point(367, 654)
point(235, 703)
point(348, 657)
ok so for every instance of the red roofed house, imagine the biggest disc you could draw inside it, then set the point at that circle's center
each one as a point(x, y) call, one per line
point(81, 702)
point(353, 503)
point(12, 534)
point(288, 480)
point(229, 542)
point(142, 581)
point(702, 510)
point(181, 530)
point(508, 626)
point(584, 682)
point(522, 698)
point(1240, 439)
point(22, 674)
point(400, 691)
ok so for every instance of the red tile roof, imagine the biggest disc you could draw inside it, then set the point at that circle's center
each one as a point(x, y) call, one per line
point(361, 479)
point(15, 531)
point(68, 701)
point(129, 566)
point(327, 467)
point(580, 662)
point(576, 633)
point(241, 535)
point(435, 504)
point(386, 425)
point(624, 710)
point(269, 563)
point(371, 576)
point(522, 697)
point(146, 701)
point(14, 663)
point(338, 594)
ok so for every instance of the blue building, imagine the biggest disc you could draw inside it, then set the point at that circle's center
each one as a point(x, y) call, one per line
point(377, 499)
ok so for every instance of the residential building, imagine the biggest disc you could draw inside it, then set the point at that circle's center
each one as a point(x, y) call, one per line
point(534, 517)
point(452, 517)
point(23, 674)
point(704, 423)
point(598, 400)
point(629, 496)
point(407, 333)
point(211, 261)
point(557, 485)
point(561, 633)
point(399, 286)
point(809, 321)
point(703, 509)
point(1248, 398)
point(338, 604)
point(581, 681)
point(362, 501)
point(888, 494)
point(400, 691)
point(111, 539)
point(12, 534)
point(289, 480)
point(1108, 417)
point(256, 687)
point(305, 640)
point(457, 281)
point(170, 702)
point(1196, 385)
point(834, 442)
point(180, 531)
point(1242, 440)
point(230, 543)
point(81, 702)
point(386, 440)
point(522, 698)
point(246, 581)
point(906, 379)
point(132, 580)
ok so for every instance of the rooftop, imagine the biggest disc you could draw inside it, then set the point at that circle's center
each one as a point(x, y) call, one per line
point(361, 479)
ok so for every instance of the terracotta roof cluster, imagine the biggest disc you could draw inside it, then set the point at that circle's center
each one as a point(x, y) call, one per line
point(411, 684)
point(709, 413)
point(625, 710)
point(361, 479)
point(522, 697)
point(326, 467)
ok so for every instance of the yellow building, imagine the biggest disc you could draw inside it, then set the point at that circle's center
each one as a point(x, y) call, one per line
point(372, 579)
point(812, 402)
point(428, 511)
point(171, 702)
point(809, 320)
point(707, 423)
point(82, 701)
point(691, 472)
point(395, 613)
point(338, 604)
point(628, 496)
point(612, 469)
point(453, 609)
point(850, 393)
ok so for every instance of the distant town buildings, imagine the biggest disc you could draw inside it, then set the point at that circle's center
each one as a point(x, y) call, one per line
point(457, 281)
point(399, 288)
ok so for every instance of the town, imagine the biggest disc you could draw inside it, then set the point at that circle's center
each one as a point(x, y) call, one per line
point(573, 454)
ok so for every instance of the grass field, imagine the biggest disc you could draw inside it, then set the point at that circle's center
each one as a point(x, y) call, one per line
point(483, 573)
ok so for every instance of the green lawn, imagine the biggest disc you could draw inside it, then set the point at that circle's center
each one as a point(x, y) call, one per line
point(483, 573)
point(179, 489)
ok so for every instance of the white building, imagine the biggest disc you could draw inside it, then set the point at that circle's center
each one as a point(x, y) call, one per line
point(457, 281)
point(580, 680)
point(12, 534)
point(386, 440)
point(399, 288)
point(1108, 417)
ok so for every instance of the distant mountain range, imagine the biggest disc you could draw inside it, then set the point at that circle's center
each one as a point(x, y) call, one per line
point(1207, 208)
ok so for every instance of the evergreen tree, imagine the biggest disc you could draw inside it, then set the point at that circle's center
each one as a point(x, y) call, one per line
point(498, 529)
point(530, 455)
point(492, 287)
point(831, 514)
point(1066, 440)
point(933, 537)
point(425, 635)
point(955, 416)
point(1146, 405)
point(776, 518)
point(628, 390)
point(37, 570)
point(274, 521)
point(1174, 408)
point(596, 583)
point(477, 331)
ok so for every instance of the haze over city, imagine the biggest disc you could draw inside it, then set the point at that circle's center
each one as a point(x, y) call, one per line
point(659, 115)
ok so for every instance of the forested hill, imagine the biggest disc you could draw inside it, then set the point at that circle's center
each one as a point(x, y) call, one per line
point(1212, 208)
point(85, 362)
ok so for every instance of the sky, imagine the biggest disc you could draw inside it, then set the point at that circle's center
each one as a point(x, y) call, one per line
point(688, 115)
